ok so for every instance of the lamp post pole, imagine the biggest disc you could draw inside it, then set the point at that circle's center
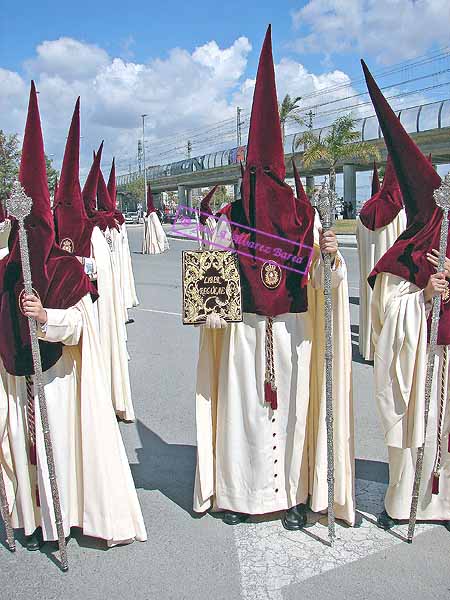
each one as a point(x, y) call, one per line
point(143, 159)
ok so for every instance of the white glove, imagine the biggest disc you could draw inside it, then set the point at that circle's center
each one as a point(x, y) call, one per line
point(214, 321)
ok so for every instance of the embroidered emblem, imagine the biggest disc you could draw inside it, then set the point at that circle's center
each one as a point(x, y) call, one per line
point(271, 275)
point(21, 295)
point(67, 245)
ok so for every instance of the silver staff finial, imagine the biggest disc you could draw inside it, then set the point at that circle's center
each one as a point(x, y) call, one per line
point(442, 194)
point(19, 204)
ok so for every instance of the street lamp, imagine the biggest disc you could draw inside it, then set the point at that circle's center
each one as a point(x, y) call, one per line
point(143, 158)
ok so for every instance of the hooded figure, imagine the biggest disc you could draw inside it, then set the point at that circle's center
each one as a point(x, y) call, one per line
point(79, 235)
point(155, 239)
point(260, 386)
point(112, 191)
point(5, 228)
point(375, 180)
point(381, 220)
point(404, 280)
point(206, 221)
point(94, 480)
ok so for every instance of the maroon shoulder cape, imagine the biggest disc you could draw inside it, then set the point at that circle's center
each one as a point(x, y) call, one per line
point(58, 278)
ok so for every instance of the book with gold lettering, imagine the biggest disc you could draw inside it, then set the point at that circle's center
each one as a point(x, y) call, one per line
point(211, 284)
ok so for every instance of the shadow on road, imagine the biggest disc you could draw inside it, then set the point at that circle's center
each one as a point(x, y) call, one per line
point(354, 300)
point(372, 470)
point(169, 468)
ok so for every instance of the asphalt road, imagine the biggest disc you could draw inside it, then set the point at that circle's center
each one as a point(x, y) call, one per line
point(190, 558)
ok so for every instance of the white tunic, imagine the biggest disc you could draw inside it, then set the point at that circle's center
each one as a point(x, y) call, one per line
point(155, 239)
point(94, 479)
point(399, 316)
point(252, 459)
point(372, 245)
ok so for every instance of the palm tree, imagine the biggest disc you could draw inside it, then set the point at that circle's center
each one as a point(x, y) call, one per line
point(342, 142)
point(286, 110)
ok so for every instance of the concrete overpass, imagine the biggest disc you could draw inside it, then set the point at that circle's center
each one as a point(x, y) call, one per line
point(428, 125)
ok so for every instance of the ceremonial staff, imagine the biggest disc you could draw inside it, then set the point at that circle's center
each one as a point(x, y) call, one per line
point(326, 204)
point(4, 510)
point(442, 199)
point(19, 206)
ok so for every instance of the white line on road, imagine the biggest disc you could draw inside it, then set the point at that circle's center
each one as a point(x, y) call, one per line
point(161, 312)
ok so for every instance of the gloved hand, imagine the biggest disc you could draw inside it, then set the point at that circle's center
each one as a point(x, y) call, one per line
point(214, 321)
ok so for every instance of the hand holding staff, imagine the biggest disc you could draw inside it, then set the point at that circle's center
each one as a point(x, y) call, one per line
point(326, 204)
point(19, 206)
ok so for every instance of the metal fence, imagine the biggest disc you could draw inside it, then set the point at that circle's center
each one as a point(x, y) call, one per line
point(434, 115)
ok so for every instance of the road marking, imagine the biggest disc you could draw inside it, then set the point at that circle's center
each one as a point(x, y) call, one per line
point(160, 312)
point(271, 558)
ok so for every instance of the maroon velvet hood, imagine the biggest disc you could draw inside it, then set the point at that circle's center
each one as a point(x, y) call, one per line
point(205, 208)
point(112, 191)
point(385, 205)
point(105, 205)
point(73, 228)
point(418, 180)
point(90, 193)
point(150, 205)
point(375, 180)
point(58, 277)
point(268, 206)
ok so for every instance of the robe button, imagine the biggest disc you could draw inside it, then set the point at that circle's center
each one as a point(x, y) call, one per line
point(274, 448)
point(276, 475)
point(275, 461)
point(276, 490)
point(273, 420)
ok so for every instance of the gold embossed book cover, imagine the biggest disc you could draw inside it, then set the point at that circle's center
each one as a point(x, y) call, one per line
point(211, 284)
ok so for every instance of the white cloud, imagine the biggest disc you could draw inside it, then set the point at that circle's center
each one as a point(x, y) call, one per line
point(180, 92)
point(390, 30)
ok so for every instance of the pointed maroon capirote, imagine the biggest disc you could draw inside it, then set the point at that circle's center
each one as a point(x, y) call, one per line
point(205, 208)
point(91, 184)
point(415, 174)
point(375, 180)
point(104, 200)
point(300, 190)
point(150, 205)
point(112, 189)
point(73, 229)
point(384, 205)
point(57, 277)
point(265, 145)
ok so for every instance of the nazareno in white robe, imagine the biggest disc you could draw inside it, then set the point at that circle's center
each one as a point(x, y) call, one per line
point(372, 245)
point(155, 239)
point(112, 327)
point(5, 228)
point(399, 316)
point(95, 484)
point(126, 270)
point(254, 460)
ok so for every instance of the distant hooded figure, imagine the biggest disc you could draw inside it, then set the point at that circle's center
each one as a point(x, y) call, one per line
point(260, 383)
point(155, 239)
point(79, 235)
point(381, 220)
point(207, 222)
point(95, 485)
point(404, 280)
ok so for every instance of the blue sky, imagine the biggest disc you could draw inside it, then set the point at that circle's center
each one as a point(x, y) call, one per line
point(189, 65)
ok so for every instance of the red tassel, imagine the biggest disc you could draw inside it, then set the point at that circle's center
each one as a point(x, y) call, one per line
point(435, 485)
point(270, 395)
point(33, 459)
point(38, 500)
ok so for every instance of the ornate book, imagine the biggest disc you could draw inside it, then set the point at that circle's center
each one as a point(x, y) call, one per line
point(211, 284)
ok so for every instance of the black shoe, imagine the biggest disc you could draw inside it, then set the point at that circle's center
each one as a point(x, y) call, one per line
point(129, 321)
point(34, 541)
point(233, 518)
point(295, 518)
point(358, 520)
point(447, 525)
point(386, 522)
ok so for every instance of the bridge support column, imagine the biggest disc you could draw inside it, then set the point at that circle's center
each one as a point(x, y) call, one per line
point(309, 183)
point(189, 197)
point(349, 172)
point(236, 190)
point(157, 200)
point(181, 196)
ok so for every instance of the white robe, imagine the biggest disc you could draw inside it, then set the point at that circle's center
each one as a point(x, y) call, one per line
point(95, 484)
point(126, 269)
point(5, 228)
point(155, 239)
point(372, 245)
point(112, 327)
point(254, 460)
point(399, 316)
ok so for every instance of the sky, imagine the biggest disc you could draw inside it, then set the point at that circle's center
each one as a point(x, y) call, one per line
point(188, 65)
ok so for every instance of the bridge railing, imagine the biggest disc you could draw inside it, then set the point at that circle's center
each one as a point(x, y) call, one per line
point(433, 115)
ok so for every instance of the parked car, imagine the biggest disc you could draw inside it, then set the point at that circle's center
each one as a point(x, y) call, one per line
point(132, 218)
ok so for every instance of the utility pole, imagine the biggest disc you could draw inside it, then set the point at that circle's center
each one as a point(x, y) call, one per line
point(144, 204)
point(310, 122)
point(139, 157)
point(189, 149)
point(238, 126)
